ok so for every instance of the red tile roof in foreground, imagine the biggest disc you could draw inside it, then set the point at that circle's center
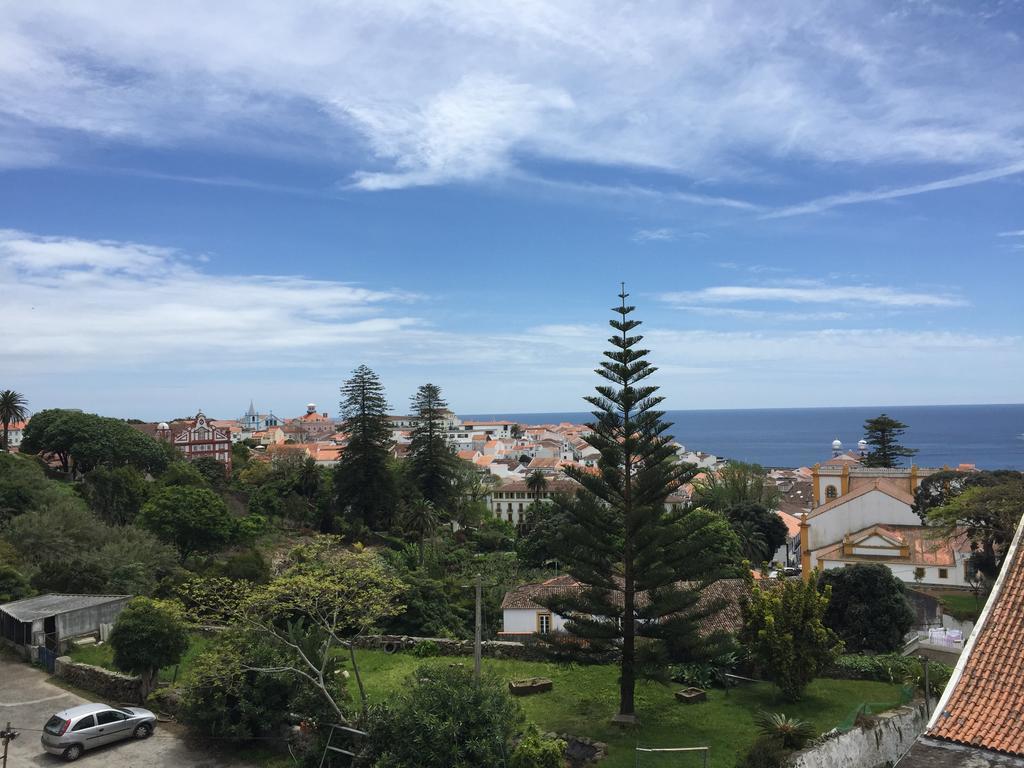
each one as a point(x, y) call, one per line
point(984, 703)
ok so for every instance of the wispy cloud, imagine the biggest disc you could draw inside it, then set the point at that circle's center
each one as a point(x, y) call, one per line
point(662, 234)
point(854, 198)
point(1013, 233)
point(813, 292)
point(424, 92)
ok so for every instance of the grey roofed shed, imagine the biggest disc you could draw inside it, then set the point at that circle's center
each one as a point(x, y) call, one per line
point(51, 619)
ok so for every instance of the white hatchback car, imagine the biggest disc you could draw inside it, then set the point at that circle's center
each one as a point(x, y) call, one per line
point(70, 732)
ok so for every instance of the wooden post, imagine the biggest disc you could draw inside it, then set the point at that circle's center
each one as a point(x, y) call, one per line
point(927, 703)
point(7, 735)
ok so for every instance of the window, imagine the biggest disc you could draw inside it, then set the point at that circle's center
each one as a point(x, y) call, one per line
point(108, 717)
point(831, 492)
point(510, 517)
point(86, 722)
point(543, 623)
point(943, 573)
point(520, 506)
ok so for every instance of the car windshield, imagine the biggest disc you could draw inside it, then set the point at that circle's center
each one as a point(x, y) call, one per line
point(53, 725)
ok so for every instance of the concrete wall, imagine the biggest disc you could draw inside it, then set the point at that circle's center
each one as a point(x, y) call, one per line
point(112, 687)
point(86, 621)
point(876, 747)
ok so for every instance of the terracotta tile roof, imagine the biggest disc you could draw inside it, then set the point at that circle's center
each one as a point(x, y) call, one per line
point(843, 458)
point(874, 484)
point(467, 455)
point(924, 550)
point(792, 522)
point(983, 705)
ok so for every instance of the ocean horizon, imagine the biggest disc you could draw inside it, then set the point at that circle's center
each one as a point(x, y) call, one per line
point(989, 436)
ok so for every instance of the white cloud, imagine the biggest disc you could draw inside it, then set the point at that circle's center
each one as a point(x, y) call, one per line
point(449, 90)
point(1014, 233)
point(813, 292)
point(661, 234)
point(854, 198)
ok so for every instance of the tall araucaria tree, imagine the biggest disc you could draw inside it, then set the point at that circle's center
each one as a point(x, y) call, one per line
point(363, 482)
point(641, 566)
point(13, 408)
point(432, 466)
point(882, 434)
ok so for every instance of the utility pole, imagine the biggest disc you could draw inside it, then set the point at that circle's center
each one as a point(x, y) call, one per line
point(477, 646)
point(927, 695)
point(7, 736)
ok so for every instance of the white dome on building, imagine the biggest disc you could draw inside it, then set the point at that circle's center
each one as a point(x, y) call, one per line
point(863, 445)
point(837, 444)
point(163, 425)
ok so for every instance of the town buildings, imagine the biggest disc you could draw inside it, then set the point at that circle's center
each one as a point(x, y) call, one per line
point(198, 439)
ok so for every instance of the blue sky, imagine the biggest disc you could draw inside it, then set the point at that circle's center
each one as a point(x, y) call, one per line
point(812, 204)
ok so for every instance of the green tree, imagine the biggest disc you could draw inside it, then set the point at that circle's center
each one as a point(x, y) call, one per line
point(442, 719)
point(420, 519)
point(183, 473)
point(116, 495)
point(432, 464)
point(537, 483)
point(761, 532)
point(192, 519)
point(149, 634)
point(785, 633)
point(13, 585)
point(83, 441)
point(363, 483)
point(535, 750)
point(213, 470)
point(735, 485)
point(620, 541)
point(989, 514)
point(13, 408)
point(882, 434)
point(538, 535)
point(24, 486)
point(868, 609)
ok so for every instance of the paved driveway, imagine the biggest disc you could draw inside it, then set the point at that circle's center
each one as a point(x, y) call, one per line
point(28, 700)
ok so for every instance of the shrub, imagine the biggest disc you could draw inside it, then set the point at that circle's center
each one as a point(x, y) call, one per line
point(765, 752)
point(536, 751)
point(868, 609)
point(426, 648)
point(788, 731)
point(892, 668)
point(785, 635)
point(442, 719)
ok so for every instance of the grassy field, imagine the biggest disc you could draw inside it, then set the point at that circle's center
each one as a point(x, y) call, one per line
point(102, 656)
point(961, 605)
point(584, 698)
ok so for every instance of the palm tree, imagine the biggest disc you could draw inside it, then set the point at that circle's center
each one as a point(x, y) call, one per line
point(537, 483)
point(420, 519)
point(752, 542)
point(13, 408)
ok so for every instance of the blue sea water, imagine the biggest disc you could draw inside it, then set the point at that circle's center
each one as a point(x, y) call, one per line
point(990, 436)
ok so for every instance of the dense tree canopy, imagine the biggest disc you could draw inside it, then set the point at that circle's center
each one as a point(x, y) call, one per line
point(868, 608)
point(117, 494)
point(192, 519)
point(83, 441)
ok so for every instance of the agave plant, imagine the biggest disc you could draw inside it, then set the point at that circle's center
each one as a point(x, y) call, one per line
point(788, 731)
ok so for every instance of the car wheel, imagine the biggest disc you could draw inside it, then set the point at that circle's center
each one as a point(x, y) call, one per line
point(72, 753)
point(142, 730)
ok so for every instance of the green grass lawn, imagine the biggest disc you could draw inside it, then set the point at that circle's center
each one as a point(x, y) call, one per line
point(585, 697)
point(102, 656)
point(961, 605)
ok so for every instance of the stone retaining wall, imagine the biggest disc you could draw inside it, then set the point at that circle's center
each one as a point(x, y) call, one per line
point(495, 649)
point(877, 746)
point(112, 687)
